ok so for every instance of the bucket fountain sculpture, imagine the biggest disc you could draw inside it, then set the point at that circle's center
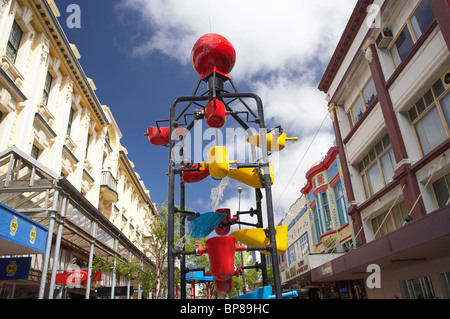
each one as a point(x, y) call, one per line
point(213, 57)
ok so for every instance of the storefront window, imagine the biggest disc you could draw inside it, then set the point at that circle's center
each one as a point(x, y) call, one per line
point(418, 288)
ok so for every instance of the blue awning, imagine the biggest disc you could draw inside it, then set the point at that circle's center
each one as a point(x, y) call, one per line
point(20, 234)
point(198, 276)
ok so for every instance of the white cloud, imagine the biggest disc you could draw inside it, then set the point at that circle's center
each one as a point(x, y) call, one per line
point(282, 50)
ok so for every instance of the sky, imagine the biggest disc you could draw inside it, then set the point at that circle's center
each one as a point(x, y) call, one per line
point(138, 54)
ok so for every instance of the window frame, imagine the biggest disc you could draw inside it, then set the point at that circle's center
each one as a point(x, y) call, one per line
point(429, 107)
point(446, 180)
point(339, 197)
point(407, 26)
point(47, 88)
point(390, 223)
point(372, 158)
point(360, 97)
point(13, 46)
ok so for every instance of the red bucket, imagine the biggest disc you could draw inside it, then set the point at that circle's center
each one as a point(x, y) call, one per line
point(215, 114)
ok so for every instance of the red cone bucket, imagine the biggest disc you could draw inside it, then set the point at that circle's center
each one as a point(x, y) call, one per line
point(221, 252)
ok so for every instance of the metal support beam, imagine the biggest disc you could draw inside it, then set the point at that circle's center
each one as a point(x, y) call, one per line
point(48, 250)
point(58, 245)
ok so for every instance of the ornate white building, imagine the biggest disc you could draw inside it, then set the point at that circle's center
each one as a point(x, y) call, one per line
point(52, 121)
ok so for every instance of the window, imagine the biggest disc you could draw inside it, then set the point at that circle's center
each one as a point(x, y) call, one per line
point(69, 125)
point(418, 288)
point(441, 189)
point(430, 118)
point(384, 224)
point(362, 102)
point(47, 87)
point(34, 152)
point(14, 42)
point(298, 249)
point(414, 28)
point(316, 221)
point(445, 277)
point(377, 168)
point(87, 145)
point(326, 210)
point(340, 203)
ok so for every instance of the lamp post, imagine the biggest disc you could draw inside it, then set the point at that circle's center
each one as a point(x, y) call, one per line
point(242, 255)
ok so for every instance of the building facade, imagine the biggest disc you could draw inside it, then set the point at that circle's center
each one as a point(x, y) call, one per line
point(331, 230)
point(52, 122)
point(319, 231)
point(387, 86)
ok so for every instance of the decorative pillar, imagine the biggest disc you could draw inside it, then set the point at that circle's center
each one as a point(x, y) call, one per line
point(441, 10)
point(352, 209)
point(403, 173)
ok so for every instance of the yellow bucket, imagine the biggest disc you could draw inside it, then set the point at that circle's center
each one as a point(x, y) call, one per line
point(256, 237)
point(218, 162)
point(274, 143)
point(249, 176)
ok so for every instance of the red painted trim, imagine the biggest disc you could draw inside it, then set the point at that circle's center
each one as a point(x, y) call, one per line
point(356, 20)
point(343, 226)
point(331, 232)
point(320, 189)
point(334, 180)
point(441, 10)
point(324, 165)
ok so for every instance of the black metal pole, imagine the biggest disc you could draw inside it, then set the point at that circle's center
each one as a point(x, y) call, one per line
point(265, 278)
point(171, 196)
point(171, 214)
point(183, 241)
point(267, 187)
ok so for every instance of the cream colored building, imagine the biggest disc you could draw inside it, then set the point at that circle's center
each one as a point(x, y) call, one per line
point(51, 118)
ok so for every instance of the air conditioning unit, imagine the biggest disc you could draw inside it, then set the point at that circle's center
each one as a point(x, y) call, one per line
point(384, 39)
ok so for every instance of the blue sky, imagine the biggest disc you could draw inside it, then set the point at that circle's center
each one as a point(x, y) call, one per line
point(138, 54)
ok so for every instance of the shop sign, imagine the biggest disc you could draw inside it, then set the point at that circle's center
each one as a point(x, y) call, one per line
point(15, 268)
point(76, 277)
point(299, 268)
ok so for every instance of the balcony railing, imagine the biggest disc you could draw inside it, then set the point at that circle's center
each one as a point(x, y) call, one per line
point(109, 185)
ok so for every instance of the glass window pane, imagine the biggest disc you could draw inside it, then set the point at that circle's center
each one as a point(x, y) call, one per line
point(442, 192)
point(374, 179)
point(402, 46)
point(369, 93)
point(445, 104)
point(388, 165)
point(430, 131)
point(422, 18)
point(438, 88)
point(357, 110)
point(429, 98)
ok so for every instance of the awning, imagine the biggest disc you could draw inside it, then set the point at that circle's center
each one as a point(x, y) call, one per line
point(421, 240)
point(198, 276)
point(19, 234)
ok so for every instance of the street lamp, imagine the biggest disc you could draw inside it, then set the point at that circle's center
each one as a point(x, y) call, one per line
point(242, 255)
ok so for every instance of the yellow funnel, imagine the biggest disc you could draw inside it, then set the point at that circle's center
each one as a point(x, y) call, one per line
point(218, 162)
point(274, 143)
point(256, 237)
point(249, 176)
